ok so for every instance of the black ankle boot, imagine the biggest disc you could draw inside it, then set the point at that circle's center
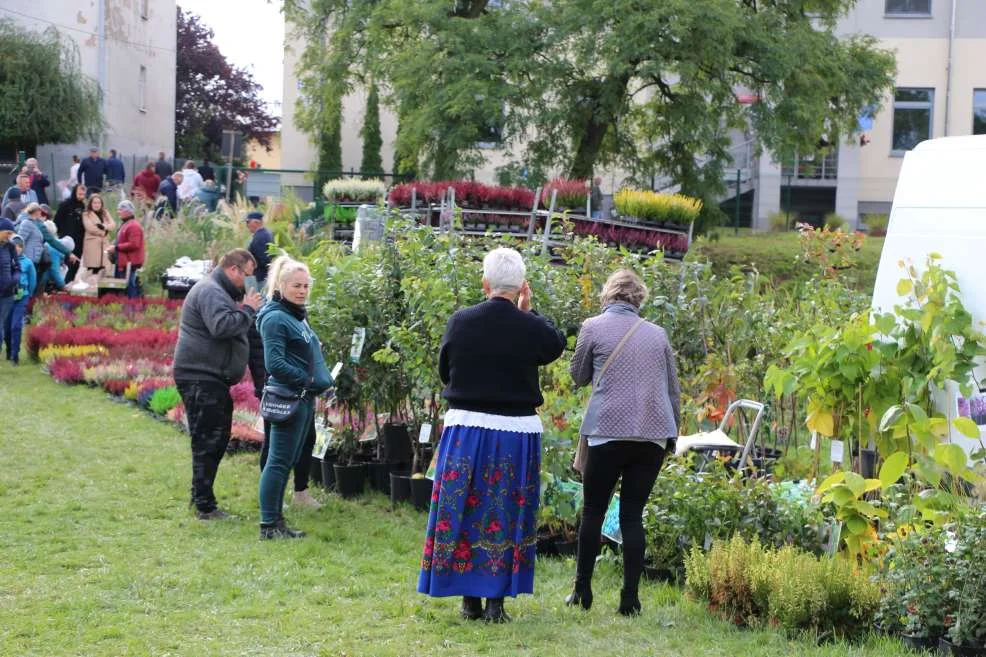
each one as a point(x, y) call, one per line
point(629, 603)
point(278, 529)
point(472, 607)
point(495, 612)
point(581, 596)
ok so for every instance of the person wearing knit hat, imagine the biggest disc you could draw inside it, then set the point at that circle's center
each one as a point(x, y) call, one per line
point(10, 273)
point(129, 247)
point(14, 204)
point(26, 285)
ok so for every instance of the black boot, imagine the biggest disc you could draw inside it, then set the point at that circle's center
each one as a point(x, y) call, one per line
point(472, 607)
point(629, 603)
point(495, 612)
point(278, 529)
point(581, 596)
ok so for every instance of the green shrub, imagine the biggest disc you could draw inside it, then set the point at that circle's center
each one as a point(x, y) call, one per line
point(787, 588)
point(876, 224)
point(834, 221)
point(780, 222)
point(164, 399)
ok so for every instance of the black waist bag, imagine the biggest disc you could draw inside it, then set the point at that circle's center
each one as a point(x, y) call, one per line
point(279, 404)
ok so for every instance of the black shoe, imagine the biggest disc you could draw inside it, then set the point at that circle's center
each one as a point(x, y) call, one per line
point(472, 608)
point(581, 598)
point(629, 603)
point(278, 530)
point(215, 514)
point(495, 612)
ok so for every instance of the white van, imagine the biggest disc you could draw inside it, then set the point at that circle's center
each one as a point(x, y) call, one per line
point(940, 206)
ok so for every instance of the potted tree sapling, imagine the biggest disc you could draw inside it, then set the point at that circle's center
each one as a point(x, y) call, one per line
point(349, 473)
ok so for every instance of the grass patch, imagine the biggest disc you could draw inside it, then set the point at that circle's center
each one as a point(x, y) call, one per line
point(103, 557)
point(775, 255)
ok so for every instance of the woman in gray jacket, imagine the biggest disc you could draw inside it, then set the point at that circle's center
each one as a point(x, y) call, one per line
point(631, 422)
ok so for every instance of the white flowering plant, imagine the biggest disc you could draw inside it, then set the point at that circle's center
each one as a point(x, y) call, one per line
point(355, 190)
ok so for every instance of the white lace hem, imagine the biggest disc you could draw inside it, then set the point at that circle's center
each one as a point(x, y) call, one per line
point(519, 424)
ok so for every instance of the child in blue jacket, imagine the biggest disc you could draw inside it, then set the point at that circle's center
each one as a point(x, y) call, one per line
point(25, 290)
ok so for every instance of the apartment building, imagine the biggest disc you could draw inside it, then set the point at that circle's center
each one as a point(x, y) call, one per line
point(128, 47)
point(940, 91)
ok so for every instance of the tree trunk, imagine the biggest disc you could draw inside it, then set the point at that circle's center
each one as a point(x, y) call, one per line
point(607, 100)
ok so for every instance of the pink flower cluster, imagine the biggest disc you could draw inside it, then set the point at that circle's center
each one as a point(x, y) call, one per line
point(634, 238)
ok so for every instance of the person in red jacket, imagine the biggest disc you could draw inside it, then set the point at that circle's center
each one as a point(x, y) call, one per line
point(146, 183)
point(129, 247)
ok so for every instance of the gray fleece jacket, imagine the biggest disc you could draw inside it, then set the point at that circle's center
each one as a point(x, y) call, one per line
point(212, 337)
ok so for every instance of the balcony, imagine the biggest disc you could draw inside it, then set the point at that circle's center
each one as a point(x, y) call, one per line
point(812, 170)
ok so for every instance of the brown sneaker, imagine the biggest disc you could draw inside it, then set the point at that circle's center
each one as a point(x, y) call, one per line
point(302, 498)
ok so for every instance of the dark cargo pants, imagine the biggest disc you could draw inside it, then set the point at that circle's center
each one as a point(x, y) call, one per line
point(209, 411)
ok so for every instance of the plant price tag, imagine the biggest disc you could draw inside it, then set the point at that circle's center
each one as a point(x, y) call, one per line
point(359, 339)
point(424, 436)
point(837, 452)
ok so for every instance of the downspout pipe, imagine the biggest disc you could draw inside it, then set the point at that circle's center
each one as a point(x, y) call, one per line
point(948, 71)
point(101, 64)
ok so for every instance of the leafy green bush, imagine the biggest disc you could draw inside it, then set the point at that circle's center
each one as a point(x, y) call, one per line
point(689, 510)
point(164, 399)
point(834, 221)
point(780, 222)
point(876, 224)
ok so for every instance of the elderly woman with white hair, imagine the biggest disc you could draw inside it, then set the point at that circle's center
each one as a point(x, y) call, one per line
point(481, 535)
point(630, 423)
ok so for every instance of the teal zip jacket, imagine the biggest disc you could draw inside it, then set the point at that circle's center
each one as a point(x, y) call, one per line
point(291, 350)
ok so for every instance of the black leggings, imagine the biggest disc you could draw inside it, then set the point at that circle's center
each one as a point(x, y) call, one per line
point(303, 467)
point(638, 462)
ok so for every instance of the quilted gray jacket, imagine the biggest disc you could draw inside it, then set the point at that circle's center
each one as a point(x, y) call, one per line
point(639, 396)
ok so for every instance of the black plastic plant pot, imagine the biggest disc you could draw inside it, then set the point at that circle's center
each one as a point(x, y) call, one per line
point(379, 475)
point(946, 647)
point(315, 470)
point(397, 443)
point(567, 548)
point(350, 479)
point(919, 642)
point(421, 493)
point(400, 487)
point(867, 463)
point(328, 474)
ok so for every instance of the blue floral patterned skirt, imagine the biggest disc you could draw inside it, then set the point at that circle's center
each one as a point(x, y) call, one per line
point(482, 526)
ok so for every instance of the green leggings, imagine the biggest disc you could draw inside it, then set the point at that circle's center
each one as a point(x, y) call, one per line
point(287, 441)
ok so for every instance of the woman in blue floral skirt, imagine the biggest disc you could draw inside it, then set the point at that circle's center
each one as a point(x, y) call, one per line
point(482, 527)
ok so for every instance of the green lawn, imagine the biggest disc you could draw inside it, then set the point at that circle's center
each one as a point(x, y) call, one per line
point(101, 556)
point(774, 255)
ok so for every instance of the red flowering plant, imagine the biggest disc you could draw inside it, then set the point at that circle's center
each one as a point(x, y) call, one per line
point(571, 194)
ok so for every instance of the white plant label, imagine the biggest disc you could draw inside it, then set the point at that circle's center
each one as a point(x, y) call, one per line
point(837, 452)
point(359, 339)
point(814, 440)
point(424, 436)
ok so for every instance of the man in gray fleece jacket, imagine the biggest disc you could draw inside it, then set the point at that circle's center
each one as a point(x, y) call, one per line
point(211, 356)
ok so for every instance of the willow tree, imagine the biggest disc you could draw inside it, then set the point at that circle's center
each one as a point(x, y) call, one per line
point(44, 97)
point(572, 84)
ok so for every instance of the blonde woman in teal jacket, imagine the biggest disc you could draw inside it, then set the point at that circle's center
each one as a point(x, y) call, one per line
point(293, 358)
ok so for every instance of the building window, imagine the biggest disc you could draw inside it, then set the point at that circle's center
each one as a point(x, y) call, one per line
point(142, 90)
point(912, 118)
point(908, 8)
point(144, 8)
point(979, 112)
